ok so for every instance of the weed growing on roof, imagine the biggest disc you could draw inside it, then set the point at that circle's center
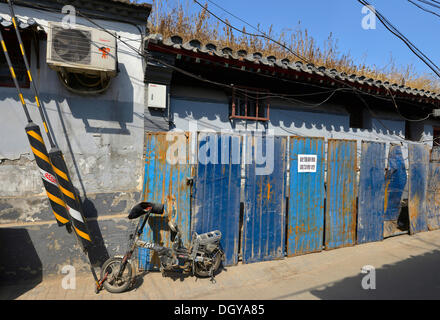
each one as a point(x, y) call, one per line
point(174, 18)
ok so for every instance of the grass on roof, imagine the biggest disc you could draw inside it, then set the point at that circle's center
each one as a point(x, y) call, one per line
point(175, 18)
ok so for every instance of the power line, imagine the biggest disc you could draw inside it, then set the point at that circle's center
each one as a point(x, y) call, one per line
point(262, 35)
point(424, 9)
point(355, 90)
point(430, 3)
point(398, 111)
point(282, 96)
point(398, 34)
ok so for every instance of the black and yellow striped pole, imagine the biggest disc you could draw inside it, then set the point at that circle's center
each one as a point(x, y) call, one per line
point(56, 157)
point(41, 156)
point(72, 201)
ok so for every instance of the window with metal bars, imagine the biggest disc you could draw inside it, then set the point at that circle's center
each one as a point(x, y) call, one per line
point(13, 48)
point(249, 104)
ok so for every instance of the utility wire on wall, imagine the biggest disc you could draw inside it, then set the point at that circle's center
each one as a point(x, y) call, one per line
point(231, 86)
point(355, 90)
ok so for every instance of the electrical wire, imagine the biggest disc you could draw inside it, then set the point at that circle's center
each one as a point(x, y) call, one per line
point(398, 111)
point(262, 35)
point(430, 3)
point(428, 62)
point(277, 42)
point(355, 90)
point(423, 8)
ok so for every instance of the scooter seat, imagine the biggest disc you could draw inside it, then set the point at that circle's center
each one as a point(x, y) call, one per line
point(145, 207)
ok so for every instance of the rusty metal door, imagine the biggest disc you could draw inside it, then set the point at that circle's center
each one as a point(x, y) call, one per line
point(165, 181)
point(433, 196)
point(305, 223)
point(418, 180)
point(216, 203)
point(395, 182)
point(264, 194)
point(370, 217)
point(340, 213)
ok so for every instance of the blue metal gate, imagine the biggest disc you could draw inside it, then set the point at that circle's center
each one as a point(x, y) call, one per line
point(305, 229)
point(395, 182)
point(217, 190)
point(264, 193)
point(418, 179)
point(433, 196)
point(340, 213)
point(165, 181)
point(371, 192)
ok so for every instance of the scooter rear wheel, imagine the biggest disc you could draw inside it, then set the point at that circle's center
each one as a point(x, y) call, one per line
point(203, 271)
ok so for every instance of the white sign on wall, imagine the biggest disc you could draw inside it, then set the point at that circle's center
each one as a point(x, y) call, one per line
point(307, 162)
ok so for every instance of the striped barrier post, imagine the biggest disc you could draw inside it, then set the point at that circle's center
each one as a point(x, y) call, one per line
point(72, 201)
point(56, 157)
point(40, 153)
point(47, 173)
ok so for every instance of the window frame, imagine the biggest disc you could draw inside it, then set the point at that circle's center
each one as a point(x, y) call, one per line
point(9, 36)
point(234, 107)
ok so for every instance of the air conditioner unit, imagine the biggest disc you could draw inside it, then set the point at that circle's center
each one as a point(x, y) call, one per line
point(81, 50)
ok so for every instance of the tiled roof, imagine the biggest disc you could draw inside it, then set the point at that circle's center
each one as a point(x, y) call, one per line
point(21, 23)
point(196, 46)
point(123, 10)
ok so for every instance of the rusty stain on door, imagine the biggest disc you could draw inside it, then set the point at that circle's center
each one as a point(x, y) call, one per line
point(370, 218)
point(264, 193)
point(165, 181)
point(340, 213)
point(418, 181)
point(305, 229)
point(433, 193)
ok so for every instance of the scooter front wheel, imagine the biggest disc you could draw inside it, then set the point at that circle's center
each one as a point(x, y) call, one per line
point(110, 270)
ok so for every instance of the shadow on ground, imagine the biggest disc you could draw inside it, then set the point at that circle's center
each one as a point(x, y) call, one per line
point(415, 278)
point(19, 263)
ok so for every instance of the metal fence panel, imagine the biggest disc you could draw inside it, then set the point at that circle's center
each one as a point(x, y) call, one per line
point(371, 195)
point(264, 207)
point(305, 229)
point(165, 181)
point(395, 182)
point(216, 203)
point(418, 179)
point(433, 196)
point(340, 214)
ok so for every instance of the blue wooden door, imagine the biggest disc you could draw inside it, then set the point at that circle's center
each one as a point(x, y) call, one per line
point(340, 213)
point(165, 181)
point(395, 182)
point(433, 196)
point(370, 218)
point(305, 229)
point(418, 180)
point(264, 194)
point(216, 202)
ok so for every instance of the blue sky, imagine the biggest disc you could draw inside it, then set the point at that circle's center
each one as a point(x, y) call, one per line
point(343, 18)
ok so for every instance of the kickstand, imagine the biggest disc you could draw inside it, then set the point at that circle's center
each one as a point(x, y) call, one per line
point(211, 273)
